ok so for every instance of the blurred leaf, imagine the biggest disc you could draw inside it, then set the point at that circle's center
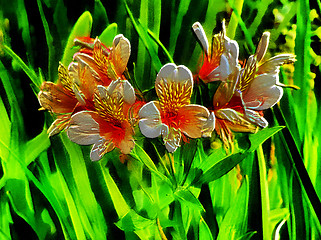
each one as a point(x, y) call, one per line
point(21, 200)
point(108, 35)
point(81, 28)
point(49, 40)
point(247, 236)
point(146, 39)
point(100, 17)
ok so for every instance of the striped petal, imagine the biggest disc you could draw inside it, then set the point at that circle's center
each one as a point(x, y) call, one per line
point(83, 129)
point(256, 118)
point(101, 147)
point(193, 118)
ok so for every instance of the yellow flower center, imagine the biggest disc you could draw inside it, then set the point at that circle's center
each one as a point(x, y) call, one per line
point(110, 108)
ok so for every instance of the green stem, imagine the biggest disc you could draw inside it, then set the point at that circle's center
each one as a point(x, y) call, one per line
point(48, 38)
point(265, 204)
point(161, 45)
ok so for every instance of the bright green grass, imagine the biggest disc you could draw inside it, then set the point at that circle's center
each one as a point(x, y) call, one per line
point(49, 188)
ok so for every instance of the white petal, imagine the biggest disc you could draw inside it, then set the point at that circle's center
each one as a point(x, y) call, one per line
point(150, 123)
point(125, 89)
point(232, 49)
point(230, 115)
point(200, 33)
point(171, 72)
point(83, 130)
point(117, 39)
point(121, 52)
point(102, 91)
point(256, 118)
point(225, 69)
point(209, 126)
point(262, 92)
point(263, 46)
point(129, 92)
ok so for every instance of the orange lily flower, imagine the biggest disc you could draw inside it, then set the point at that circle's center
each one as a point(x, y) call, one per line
point(221, 57)
point(108, 126)
point(173, 115)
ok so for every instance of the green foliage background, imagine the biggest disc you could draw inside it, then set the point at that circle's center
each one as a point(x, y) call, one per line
point(49, 188)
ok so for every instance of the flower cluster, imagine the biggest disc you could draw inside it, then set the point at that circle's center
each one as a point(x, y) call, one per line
point(244, 92)
point(98, 106)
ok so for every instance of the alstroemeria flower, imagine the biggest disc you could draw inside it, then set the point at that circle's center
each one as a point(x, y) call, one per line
point(258, 83)
point(220, 58)
point(173, 115)
point(109, 63)
point(58, 98)
point(108, 126)
point(239, 102)
point(229, 111)
point(73, 90)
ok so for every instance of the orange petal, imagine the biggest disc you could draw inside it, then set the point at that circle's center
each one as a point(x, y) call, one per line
point(192, 119)
point(120, 53)
point(56, 99)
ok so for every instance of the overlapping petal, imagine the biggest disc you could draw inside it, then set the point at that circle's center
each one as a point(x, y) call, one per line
point(107, 126)
point(221, 57)
point(173, 115)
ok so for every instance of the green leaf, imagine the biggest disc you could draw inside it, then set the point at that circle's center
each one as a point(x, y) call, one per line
point(82, 28)
point(133, 222)
point(235, 221)
point(224, 165)
point(146, 39)
point(187, 198)
point(204, 230)
point(107, 36)
point(139, 153)
point(220, 168)
point(261, 136)
point(36, 146)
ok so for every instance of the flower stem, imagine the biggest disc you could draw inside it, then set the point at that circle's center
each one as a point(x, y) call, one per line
point(265, 205)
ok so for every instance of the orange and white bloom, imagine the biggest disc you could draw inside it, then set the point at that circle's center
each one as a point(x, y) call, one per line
point(258, 83)
point(109, 63)
point(239, 102)
point(173, 115)
point(108, 126)
point(74, 90)
point(59, 99)
point(220, 57)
